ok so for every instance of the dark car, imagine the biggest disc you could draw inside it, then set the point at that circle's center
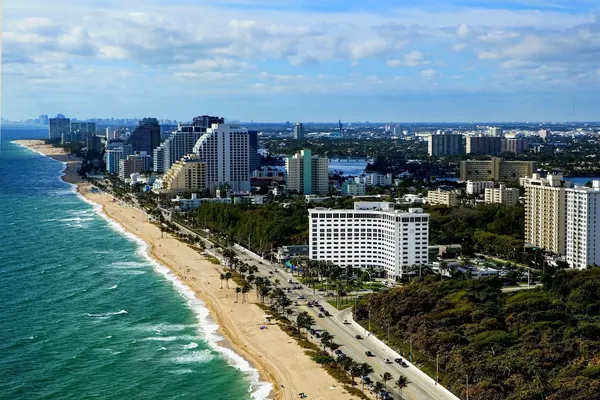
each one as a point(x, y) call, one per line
point(369, 354)
point(321, 315)
point(358, 337)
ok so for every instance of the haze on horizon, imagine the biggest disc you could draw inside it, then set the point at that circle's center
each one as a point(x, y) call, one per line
point(303, 60)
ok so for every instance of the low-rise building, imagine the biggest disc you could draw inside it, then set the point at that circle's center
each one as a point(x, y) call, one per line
point(351, 188)
point(495, 169)
point(448, 198)
point(502, 195)
point(285, 253)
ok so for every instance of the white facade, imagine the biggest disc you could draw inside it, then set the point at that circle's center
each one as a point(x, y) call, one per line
point(225, 149)
point(583, 220)
point(307, 174)
point(502, 195)
point(373, 234)
point(179, 143)
point(375, 179)
point(114, 156)
point(351, 188)
point(478, 187)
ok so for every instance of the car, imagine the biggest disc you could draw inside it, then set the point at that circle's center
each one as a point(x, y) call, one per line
point(296, 303)
point(301, 297)
point(289, 281)
point(327, 313)
point(309, 304)
point(346, 322)
point(387, 361)
point(404, 364)
point(321, 315)
point(358, 337)
point(398, 360)
point(369, 354)
point(337, 351)
point(271, 272)
point(317, 335)
point(366, 380)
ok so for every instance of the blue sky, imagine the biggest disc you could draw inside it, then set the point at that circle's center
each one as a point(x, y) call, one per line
point(303, 60)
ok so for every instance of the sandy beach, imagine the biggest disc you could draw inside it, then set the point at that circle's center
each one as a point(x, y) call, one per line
point(271, 351)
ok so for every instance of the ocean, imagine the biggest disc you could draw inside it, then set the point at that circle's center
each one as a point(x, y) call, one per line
point(85, 313)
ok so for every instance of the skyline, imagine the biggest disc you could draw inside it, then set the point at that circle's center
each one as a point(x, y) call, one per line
point(457, 61)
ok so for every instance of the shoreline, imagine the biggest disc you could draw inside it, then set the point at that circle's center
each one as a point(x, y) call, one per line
point(277, 358)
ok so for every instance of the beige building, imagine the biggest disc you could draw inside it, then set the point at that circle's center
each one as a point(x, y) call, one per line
point(502, 195)
point(307, 174)
point(447, 198)
point(495, 169)
point(545, 212)
point(187, 175)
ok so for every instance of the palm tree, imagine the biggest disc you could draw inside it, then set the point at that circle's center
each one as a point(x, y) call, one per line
point(245, 289)
point(228, 276)
point(304, 320)
point(365, 370)
point(377, 388)
point(222, 276)
point(326, 339)
point(238, 290)
point(386, 377)
point(354, 372)
point(402, 382)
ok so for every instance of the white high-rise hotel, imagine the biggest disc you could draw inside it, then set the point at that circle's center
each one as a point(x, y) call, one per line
point(373, 234)
point(225, 148)
point(583, 219)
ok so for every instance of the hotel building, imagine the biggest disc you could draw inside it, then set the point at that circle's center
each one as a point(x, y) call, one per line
point(372, 234)
point(187, 175)
point(583, 220)
point(495, 169)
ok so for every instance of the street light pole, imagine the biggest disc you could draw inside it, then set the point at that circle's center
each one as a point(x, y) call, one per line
point(467, 386)
point(437, 369)
point(410, 356)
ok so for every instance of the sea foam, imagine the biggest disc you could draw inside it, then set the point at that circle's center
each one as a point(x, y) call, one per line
point(259, 390)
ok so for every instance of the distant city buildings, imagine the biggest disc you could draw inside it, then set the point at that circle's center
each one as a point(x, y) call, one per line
point(445, 144)
point(188, 175)
point(146, 136)
point(299, 131)
point(225, 148)
point(502, 195)
point(83, 127)
point(58, 126)
point(114, 154)
point(307, 174)
point(375, 179)
point(371, 235)
point(448, 198)
point(134, 163)
point(515, 145)
point(43, 120)
point(495, 169)
point(495, 131)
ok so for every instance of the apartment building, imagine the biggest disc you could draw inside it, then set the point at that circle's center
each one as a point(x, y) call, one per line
point(483, 145)
point(307, 174)
point(372, 234)
point(545, 212)
point(187, 175)
point(501, 195)
point(225, 148)
point(444, 144)
point(496, 169)
point(448, 198)
point(515, 145)
point(582, 222)
point(133, 164)
point(478, 187)
point(351, 188)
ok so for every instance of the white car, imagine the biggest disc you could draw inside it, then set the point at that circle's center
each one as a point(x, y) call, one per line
point(301, 297)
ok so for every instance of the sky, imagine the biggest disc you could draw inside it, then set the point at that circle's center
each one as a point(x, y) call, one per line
point(303, 60)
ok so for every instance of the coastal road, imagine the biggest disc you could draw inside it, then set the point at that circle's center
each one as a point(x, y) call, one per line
point(421, 387)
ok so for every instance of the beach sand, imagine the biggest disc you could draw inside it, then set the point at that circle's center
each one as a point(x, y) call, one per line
point(277, 357)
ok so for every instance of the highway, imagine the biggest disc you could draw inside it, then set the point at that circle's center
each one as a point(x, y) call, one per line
point(420, 387)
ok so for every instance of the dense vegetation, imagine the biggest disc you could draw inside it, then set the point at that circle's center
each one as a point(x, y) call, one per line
point(533, 344)
point(493, 229)
point(262, 228)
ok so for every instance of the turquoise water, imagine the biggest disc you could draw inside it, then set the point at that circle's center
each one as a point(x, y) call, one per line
point(84, 312)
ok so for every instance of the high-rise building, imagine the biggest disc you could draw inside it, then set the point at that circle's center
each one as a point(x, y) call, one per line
point(187, 175)
point(483, 145)
point(502, 195)
point(133, 164)
point(495, 131)
point(181, 142)
point(114, 155)
point(545, 212)
point(583, 226)
point(307, 174)
point(93, 143)
point(225, 149)
point(43, 119)
point(371, 235)
point(515, 145)
point(58, 126)
point(299, 131)
point(146, 136)
point(254, 155)
point(83, 127)
point(495, 169)
point(445, 144)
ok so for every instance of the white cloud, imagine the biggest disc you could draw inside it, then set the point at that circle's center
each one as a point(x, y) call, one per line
point(429, 73)
point(413, 59)
point(459, 47)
